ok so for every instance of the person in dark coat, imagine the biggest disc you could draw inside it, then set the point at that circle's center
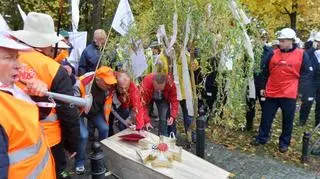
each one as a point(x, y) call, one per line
point(314, 54)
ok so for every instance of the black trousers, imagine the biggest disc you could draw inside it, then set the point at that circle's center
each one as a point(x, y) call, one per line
point(59, 158)
point(251, 109)
point(307, 104)
point(271, 105)
point(187, 120)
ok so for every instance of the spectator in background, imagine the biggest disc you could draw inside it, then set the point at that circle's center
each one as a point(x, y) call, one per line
point(90, 56)
point(314, 55)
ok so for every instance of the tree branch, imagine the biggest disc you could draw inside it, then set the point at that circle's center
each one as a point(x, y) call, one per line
point(287, 11)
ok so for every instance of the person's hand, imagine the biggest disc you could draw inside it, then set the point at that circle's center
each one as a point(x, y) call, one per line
point(142, 133)
point(262, 92)
point(170, 121)
point(148, 126)
point(72, 155)
point(129, 122)
point(68, 68)
point(35, 87)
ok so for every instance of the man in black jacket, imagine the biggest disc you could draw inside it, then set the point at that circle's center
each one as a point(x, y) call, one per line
point(314, 55)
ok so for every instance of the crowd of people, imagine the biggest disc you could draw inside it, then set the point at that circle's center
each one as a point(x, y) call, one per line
point(36, 132)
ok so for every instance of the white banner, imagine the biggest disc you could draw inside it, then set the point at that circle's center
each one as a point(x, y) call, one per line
point(22, 13)
point(75, 14)
point(78, 41)
point(139, 61)
point(123, 18)
point(3, 24)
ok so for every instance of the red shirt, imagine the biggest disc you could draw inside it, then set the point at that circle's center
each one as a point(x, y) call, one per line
point(133, 101)
point(169, 92)
point(284, 70)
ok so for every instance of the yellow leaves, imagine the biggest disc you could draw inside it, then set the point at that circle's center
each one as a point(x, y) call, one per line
point(273, 14)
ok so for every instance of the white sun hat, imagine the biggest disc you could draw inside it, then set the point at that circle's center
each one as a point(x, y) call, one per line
point(62, 45)
point(7, 42)
point(38, 31)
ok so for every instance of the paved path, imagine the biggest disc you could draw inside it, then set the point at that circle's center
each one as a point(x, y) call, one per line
point(250, 166)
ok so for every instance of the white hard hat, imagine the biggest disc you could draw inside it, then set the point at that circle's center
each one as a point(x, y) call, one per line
point(7, 42)
point(317, 37)
point(286, 33)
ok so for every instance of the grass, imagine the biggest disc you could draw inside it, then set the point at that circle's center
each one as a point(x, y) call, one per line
point(240, 140)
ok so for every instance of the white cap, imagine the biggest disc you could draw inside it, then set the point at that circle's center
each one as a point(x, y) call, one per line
point(7, 42)
point(286, 33)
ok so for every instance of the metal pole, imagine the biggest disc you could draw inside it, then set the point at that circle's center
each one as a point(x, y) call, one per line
point(59, 26)
point(98, 168)
point(305, 147)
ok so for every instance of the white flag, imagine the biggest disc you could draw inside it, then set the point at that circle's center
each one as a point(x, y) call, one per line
point(75, 14)
point(123, 18)
point(22, 13)
point(3, 24)
point(139, 62)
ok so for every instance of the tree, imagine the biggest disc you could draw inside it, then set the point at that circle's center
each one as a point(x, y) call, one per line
point(300, 15)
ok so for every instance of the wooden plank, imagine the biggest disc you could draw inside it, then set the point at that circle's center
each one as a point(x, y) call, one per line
point(124, 162)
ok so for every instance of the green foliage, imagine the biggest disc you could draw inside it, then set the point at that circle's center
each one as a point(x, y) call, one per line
point(214, 31)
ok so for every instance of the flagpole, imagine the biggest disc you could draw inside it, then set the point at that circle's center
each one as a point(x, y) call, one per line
point(101, 53)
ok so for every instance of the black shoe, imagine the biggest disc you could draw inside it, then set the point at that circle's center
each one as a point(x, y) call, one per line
point(283, 149)
point(256, 143)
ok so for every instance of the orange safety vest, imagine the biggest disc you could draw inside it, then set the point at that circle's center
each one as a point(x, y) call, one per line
point(28, 151)
point(46, 69)
point(85, 81)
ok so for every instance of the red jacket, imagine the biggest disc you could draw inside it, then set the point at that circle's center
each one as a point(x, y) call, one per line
point(133, 101)
point(169, 92)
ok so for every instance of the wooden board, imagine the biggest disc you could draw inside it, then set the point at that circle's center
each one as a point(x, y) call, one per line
point(124, 162)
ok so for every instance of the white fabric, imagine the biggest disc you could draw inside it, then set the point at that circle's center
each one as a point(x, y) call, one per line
point(252, 89)
point(139, 61)
point(17, 92)
point(123, 18)
point(75, 14)
point(78, 41)
point(185, 70)
point(22, 13)
point(3, 24)
point(317, 54)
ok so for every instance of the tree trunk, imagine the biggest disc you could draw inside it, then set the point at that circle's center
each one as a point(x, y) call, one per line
point(96, 14)
point(293, 20)
point(293, 15)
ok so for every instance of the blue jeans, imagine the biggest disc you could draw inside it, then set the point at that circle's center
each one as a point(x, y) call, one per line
point(99, 122)
point(164, 113)
point(80, 157)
